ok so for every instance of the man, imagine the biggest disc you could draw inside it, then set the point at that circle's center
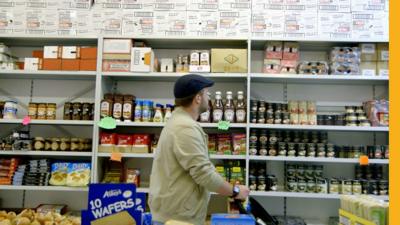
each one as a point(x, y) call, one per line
point(183, 176)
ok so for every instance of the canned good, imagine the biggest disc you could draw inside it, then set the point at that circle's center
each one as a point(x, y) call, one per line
point(301, 173)
point(359, 109)
point(309, 172)
point(318, 171)
point(351, 117)
point(10, 110)
point(361, 116)
point(364, 123)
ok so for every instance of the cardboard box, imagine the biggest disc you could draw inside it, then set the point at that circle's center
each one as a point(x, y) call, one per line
point(228, 60)
point(88, 52)
point(170, 5)
point(117, 46)
point(334, 6)
point(233, 5)
point(369, 52)
point(51, 64)
point(274, 50)
point(70, 52)
point(291, 51)
point(383, 68)
point(138, 5)
point(32, 64)
point(67, 20)
point(109, 4)
point(70, 64)
point(19, 22)
point(334, 25)
point(383, 51)
point(272, 66)
point(84, 25)
point(144, 23)
point(289, 63)
point(76, 4)
point(368, 68)
point(301, 24)
point(35, 22)
point(262, 5)
point(368, 25)
point(52, 52)
point(142, 59)
point(88, 64)
point(268, 25)
point(116, 65)
point(167, 65)
point(170, 23)
point(112, 22)
point(37, 53)
point(202, 24)
point(367, 5)
point(301, 5)
point(51, 22)
point(203, 5)
point(117, 56)
point(141, 143)
point(6, 18)
point(234, 23)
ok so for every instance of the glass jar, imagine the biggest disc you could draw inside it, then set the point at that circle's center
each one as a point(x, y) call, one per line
point(291, 185)
point(278, 118)
point(361, 116)
point(262, 107)
point(42, 109)
point(253, 117)
point(75, 144)
point(321, 151)
point(261, 117)
point(272, 150)
point(291, 150)
point(269, 118)
point(38, 144)
point(65, 144)
point(301, 152)
point(253, 136)
point(359, 109)
point(76, 111)
point(311, 151)
point(67, 111)
point(285, 118)
point(253, 149)
point(32, 111)
point(253, 105)
point(51, 111)
point(350, 109)
point(86, 108)
point(47, 144)
point(263, 137)
point(282, 149)
point(158, 115)
point(263, 149)
point(87, 145)
point(55, 144)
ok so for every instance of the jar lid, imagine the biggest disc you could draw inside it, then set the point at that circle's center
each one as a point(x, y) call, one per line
point(39, 139)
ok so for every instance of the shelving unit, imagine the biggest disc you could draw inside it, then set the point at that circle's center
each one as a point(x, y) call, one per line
point(273, 87)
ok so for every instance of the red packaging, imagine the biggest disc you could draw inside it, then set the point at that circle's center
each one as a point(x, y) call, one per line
point(289, 63)
point(239, 144)
point(108, 139)
point(224, 144)
point(274, 50)
point(141, 139)
point(212, 144)
point(124, 139)
point(291, 51)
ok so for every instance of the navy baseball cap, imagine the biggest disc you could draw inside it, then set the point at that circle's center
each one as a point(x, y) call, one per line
point(190, 84)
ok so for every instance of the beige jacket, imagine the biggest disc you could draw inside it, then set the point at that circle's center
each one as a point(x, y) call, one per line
point(182, 176)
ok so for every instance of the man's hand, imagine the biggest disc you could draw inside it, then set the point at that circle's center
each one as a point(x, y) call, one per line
point(243, 193)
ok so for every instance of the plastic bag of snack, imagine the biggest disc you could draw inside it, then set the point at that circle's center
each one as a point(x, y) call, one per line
point(59, 173)
point(78, 174)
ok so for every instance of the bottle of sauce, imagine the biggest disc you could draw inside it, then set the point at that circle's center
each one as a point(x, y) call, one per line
point(158, 115)
point(240, 108)
point(229, 108)
point(205, 117)
point(218, 108)
point(117, 108)
point(168, 112)
point(127, 107)
point(106, 105)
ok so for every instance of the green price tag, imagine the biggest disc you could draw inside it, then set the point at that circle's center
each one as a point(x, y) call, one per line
point(108, 123)
point(223, 125)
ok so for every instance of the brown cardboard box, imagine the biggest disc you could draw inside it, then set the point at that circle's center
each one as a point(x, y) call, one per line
point(383, 51)
point(51, 64)
point(368, 68)
point(228, 60)
point(37, 54)
point(369, 52)
point(88, 53)
point(116, 65)
point(70, 64)
point(88, 64)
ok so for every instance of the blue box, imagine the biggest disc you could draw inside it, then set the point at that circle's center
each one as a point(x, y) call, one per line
point(232, 219)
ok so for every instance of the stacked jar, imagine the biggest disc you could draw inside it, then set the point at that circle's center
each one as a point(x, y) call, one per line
point(78, 111)
point(42, 111)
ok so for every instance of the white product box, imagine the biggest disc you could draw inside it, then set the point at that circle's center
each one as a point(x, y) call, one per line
point(334, 25)
point(234, 23)
point(36, 4)
point(167, 65)
point(259, 5)
point(269, 25)
point(52, 52)
point(367, 26)
point(76, 4)
point(170, 23)
point(234, 5)
point(31, 64)
point(128, 22)
point(142, 59)
point(368, 68)
point(117, 46)
point(109, 4)
point(138, 5)
point(67, 20)
point(301, 24)
point(202, 23)
point(96, 14)
point(171, 5)
point(70, 52)
point(35, 22)
point(51, 22)
point(112, 22)
point(7, 3)
point(6, 21)
point(367, 5)
point(84, 25)
point(203, 5)
point(18, 25)
point(301, 5)
point(144, 23)
point(334, 5)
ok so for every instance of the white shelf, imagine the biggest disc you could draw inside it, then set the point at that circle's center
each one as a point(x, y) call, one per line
point(315, 159)
point(152, 124)
point(43, 74)
point(42, 188)
point(46, 153)
point(158, 76)
point(128, 155)
point(228, 157)
point(303, 195)
point(318, 79)
point(320, 127)
point(49, 122)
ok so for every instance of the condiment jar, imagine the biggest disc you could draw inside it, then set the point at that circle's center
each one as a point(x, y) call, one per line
point(81, 144)
point(38, 144)
point(51, 111)
point(55, 144)
point(42, 110)
point(272, 150)
point(65, 144)
point(86, 108)
point(67, 111)
point(253, 149)
point(87, 144)
point(106, 106)
point(364, 123)
point(74, 144)
point(32, 111)
point(350, 109)
point(158, 115)
point(10, 110)
point(263, 149)
point(117, 107)
point(47, 144)
point(76, 111)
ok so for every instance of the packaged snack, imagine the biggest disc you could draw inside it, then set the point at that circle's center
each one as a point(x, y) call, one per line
point(59, 173)
point(239, 144)
point(78, 174)
point(133, 176)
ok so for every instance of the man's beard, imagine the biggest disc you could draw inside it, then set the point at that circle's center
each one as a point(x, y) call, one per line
point(203, 109)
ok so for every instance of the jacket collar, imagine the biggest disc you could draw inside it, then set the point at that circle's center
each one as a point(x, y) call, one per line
point(179, 111)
